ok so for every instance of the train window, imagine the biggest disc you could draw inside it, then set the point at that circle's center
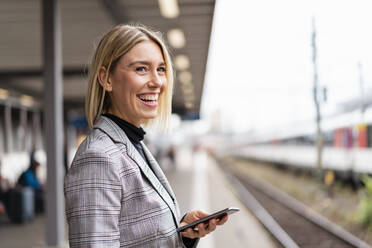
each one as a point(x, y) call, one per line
point(309, 140)
point(328, 138)
point(369, 135)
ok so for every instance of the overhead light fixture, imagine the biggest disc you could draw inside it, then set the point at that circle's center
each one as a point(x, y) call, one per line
point(176, 38)
point(189, 105)
point(188, 88)
point(182, 62)
point(169, 8)
point(26, 100)
point(185, 77)
point(189, 97)
point(4, 94)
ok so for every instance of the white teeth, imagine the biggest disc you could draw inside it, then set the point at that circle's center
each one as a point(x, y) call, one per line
point(149, 97)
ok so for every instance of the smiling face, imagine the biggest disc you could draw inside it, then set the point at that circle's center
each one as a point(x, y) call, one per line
point(136, 83)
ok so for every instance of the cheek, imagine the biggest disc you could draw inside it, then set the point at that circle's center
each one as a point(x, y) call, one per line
point(135, 83)
point(130, 86)
point(164, 85)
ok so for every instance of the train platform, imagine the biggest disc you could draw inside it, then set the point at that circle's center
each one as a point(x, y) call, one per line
point(198, 184)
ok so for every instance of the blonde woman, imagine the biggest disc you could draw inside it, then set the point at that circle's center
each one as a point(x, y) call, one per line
point(116, 193)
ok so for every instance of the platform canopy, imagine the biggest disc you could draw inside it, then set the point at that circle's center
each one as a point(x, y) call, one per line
point(186, 25)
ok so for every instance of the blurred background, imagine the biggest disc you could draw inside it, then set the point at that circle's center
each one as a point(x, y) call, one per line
point(271, 98)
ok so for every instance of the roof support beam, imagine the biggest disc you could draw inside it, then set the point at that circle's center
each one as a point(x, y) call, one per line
point(67, 72)
point(10, 84)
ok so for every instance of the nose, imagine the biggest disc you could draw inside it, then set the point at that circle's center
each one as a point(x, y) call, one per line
point(156, 80)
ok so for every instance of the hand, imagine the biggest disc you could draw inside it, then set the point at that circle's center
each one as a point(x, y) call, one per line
point(201, 229)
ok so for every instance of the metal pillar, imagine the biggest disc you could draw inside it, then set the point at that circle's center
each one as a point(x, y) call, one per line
point(8, 128)
point(23, 120)
point(319, 135)
point(53, 122)
point(361, 87)
point(36, 127)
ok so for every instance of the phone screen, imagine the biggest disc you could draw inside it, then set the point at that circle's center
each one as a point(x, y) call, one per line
point(216, 215)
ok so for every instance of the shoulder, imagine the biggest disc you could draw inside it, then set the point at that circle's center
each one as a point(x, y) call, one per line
point(98, 142)
point(92, 163)
point(98, 148)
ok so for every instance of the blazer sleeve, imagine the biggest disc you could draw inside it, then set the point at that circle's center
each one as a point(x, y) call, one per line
point(93, 201)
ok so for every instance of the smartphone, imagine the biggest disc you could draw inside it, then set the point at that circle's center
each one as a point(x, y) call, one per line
point(216, 215)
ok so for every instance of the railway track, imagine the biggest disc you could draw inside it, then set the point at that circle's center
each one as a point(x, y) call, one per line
point(292, 223)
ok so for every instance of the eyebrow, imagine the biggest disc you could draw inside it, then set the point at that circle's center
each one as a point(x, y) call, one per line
point(144, 63)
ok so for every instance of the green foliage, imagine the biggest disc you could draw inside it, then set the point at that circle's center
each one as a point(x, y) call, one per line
point(364, 214)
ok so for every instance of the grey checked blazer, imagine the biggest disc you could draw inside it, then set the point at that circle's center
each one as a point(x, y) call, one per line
point(114, 199)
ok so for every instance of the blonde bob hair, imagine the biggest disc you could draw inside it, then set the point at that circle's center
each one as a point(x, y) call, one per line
point(113, 45)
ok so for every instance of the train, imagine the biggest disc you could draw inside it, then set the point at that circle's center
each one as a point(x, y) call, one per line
point(346, 150)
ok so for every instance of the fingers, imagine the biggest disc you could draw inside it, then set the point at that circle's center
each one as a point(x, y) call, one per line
point(194, 216)
point(200, 230)
point(190, 233)
point(212, 225)
point(204, 229)
point(222, 220)
point(200, 214)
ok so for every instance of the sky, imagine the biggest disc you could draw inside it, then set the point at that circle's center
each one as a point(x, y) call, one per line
point(260, 71)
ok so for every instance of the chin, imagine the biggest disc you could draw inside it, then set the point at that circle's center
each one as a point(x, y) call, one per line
point(149, 116)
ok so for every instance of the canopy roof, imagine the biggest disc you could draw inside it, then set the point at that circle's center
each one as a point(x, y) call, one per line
point(83, 23)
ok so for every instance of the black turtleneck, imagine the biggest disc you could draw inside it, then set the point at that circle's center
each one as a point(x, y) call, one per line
point(135, 134)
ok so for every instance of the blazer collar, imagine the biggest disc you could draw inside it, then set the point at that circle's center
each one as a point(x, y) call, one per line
point(112, 130)
point(155, 176)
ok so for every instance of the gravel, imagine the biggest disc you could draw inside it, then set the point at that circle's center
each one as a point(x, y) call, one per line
point(338, 203)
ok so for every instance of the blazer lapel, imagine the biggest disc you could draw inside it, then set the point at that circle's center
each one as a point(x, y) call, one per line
point(157, 180)
point(158, 171)
point(152, 177)
point(162, 178)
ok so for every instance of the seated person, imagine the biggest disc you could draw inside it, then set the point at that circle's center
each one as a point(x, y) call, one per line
point(29, 179)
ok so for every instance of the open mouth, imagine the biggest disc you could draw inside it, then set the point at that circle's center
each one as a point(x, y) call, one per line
point(149, 99)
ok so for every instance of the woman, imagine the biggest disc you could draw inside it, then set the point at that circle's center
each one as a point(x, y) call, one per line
point(116, 193)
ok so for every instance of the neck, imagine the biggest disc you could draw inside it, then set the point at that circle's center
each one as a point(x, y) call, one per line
point(123, 116)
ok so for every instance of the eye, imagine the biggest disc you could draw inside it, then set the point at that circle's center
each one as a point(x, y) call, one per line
point(161, 69)
point(141, 69)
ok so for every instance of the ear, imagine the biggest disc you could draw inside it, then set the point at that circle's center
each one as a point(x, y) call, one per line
point(104, 79)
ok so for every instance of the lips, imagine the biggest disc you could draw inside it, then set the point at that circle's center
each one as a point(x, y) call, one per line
point(150, 100)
